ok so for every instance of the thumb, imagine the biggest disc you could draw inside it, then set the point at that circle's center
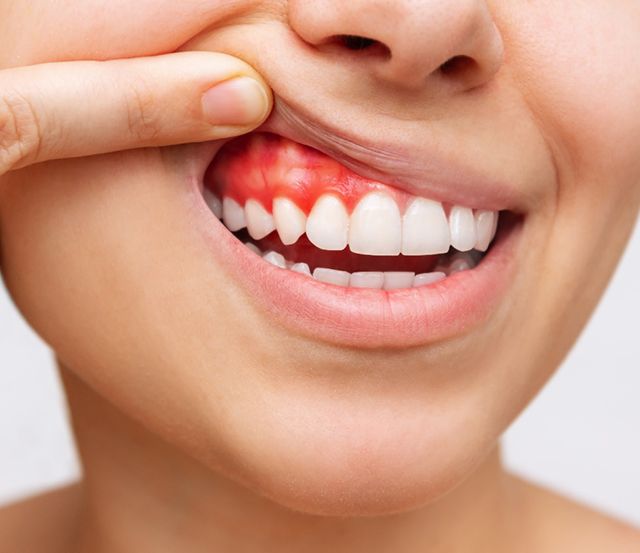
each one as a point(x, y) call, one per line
point(81, 108)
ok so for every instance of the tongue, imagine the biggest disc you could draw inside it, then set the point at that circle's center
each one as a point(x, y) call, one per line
point(264, 166)
point(305, 252)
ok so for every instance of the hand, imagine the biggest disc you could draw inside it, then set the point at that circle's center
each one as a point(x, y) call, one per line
point(81, 108)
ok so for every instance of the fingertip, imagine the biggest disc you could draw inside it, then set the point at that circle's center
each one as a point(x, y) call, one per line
point(239, 101)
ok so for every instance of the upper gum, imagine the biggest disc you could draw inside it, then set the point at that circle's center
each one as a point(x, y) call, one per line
point(346, 185)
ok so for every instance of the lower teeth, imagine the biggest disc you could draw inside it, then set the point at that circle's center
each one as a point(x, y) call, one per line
point(388, 280)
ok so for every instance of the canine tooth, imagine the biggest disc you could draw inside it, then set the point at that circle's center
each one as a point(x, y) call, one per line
point(214, 203)
point(394, 280)
point(255, 249)
point(275, 259)
point(301, 268)
point(425, 229)
point(328, 223)
point(290, 220)
point(462, 225)
point(331, 276)
point(424, 279)
point(259, 221)
point(233, 214)
point(376, 226)
point(486, 225)
point(367, 279)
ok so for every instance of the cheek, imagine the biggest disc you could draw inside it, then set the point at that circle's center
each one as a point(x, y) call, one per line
point(575, 68)
point(95, 29)
point(578, 67)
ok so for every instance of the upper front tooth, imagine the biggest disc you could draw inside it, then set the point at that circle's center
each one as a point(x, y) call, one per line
point(425, 229)
point(290, 220)
point(486, 225)
point(462, 225)
point(259, 221)
point(376, 226)
point(233, 214)
point(328, 223)
point(214, 203)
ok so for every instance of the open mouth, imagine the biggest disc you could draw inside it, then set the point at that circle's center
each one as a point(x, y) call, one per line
point(302, 211)
point(336, 256)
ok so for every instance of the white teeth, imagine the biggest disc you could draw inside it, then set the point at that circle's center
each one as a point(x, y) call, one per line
point(233, 214)
point(275, 259)
point(425, 279)
point(376, 226)
point(290, 220)
point(328, 223)
point(259, 221)
point(255, 249)
point(367, 279)
point(425, 229)
point(396, 280)
point(462, 225)
point(486, 225)
point(214, 203)
point(302, 268)
point(331, 276)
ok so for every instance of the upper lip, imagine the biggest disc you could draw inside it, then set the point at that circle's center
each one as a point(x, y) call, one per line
point(433, 176)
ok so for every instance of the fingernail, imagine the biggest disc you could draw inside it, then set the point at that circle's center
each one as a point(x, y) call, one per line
point(239, 101)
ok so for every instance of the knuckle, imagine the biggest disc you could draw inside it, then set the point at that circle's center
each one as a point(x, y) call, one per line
point(142, 115)
point(20, 132)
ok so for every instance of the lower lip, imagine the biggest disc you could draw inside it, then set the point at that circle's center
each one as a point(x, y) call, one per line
point(364, 318)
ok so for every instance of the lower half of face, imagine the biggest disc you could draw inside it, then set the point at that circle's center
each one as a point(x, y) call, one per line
point(345, 309)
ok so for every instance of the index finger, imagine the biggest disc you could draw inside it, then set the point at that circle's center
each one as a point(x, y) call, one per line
point(80, 108)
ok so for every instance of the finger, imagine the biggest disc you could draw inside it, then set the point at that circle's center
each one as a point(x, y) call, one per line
point(80, 108)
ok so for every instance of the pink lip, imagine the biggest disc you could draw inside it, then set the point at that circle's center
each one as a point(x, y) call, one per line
point(419, 169)
point(359, 317)
point(369, 318)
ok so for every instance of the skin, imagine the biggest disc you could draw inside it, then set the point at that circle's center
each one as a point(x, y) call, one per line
point(228, 432)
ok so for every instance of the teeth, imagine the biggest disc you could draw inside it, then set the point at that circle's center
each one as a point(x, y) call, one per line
point(486, 225)
point(425, 279)
point(367, 279)
point(376, 226)
point(290, 220)
point(331, 276)
point(461, 262)
point(425, 229)
point(328, 224)
point(396, 280)
point(255, 249)
point(259, 221)
point(302, 268)
point(214, 203)
point(275, 259)
point(462, 225)
point(233, 214)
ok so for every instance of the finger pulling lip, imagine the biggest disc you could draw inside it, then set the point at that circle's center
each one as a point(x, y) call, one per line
point(369, 318)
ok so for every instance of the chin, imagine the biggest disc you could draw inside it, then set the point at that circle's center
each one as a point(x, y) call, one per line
point(337, 458)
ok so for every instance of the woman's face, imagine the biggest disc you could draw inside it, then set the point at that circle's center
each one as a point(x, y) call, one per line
point(322, 398)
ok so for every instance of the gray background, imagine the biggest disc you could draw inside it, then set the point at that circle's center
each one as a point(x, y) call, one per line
point(581, 435)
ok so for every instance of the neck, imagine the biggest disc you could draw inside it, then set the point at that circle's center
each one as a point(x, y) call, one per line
point(142, 494)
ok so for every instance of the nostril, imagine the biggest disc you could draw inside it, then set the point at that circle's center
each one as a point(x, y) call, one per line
point(358, 43)
point(354, 42)
point(457, 64)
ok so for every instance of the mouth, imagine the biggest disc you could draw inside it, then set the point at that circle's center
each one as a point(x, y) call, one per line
point(348, 259)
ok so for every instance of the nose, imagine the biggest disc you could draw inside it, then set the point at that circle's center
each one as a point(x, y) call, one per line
point(406, 43)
